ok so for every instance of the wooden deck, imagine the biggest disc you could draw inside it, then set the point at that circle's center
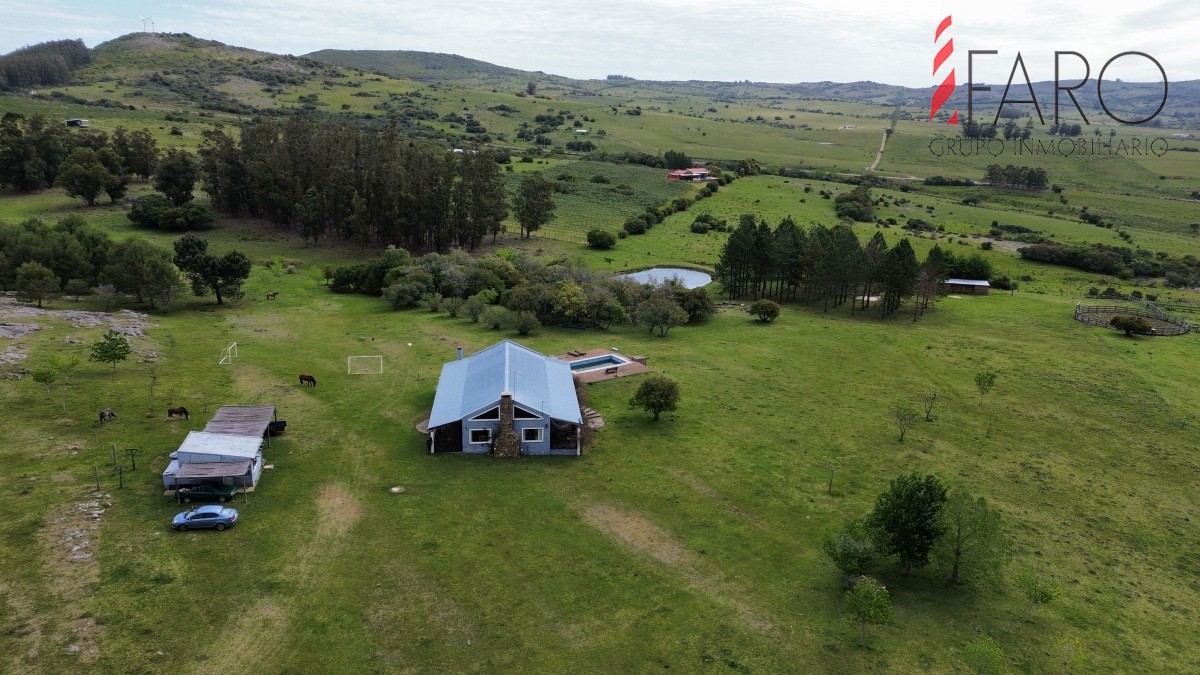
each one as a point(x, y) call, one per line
point(633, 367)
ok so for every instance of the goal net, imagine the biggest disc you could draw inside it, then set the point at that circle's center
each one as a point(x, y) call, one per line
point(229, 354)
point(364, 365)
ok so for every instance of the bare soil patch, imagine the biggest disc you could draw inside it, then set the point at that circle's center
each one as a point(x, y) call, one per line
point(707, 490)
point(338, 511)
point(647, 538)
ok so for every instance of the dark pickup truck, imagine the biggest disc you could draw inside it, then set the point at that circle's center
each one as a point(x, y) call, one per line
point(205, 493)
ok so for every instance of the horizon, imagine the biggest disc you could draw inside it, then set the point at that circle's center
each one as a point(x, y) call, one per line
point(590, 40)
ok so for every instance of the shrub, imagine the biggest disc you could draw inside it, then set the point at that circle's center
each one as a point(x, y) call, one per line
point(635, 226)
point(700, 228)
point(526, 322)
point(766, 310)
point(601, 239)
point(494, 317)
point(1131, 324)
point(452, 306)
point(404, 294)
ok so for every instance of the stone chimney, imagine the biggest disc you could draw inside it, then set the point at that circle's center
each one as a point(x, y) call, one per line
point(459, 350)
point(506, 443)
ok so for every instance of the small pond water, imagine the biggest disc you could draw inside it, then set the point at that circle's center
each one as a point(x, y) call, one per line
point(658, 275)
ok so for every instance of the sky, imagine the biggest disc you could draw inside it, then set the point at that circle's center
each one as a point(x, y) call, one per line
point(759, 40)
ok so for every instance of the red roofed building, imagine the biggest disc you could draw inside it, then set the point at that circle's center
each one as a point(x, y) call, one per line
point(694, 173)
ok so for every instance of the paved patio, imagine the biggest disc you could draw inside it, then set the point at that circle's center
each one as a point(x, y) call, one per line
point(635, 366)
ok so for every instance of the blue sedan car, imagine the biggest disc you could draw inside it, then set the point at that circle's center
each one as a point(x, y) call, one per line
point(214, 517)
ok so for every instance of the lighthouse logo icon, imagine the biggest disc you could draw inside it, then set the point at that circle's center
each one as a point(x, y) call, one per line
point(946, 88)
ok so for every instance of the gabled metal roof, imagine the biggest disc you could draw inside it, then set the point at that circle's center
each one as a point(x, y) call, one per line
point(536, 382)
point(968, 282)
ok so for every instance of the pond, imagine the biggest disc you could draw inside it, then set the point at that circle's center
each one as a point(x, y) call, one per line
point(658, 275)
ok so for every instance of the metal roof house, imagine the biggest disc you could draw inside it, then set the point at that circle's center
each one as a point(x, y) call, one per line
point(967, 286)
point(508, 399)
point(228, 451)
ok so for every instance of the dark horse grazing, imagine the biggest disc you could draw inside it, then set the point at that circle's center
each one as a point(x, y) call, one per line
point(172, 412)
point(107, 415)
point(309, 380)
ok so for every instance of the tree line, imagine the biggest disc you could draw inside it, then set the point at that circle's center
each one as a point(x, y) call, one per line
point(36, 153)
point(514, 290)
point(830, 265)
point(361, 182)
point(71, 257)
point(43, 65)
point(1034, 178)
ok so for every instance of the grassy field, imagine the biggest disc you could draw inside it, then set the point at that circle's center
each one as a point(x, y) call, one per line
point(689, 543)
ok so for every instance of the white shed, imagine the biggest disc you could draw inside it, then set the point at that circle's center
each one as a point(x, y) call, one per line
point(230, 459)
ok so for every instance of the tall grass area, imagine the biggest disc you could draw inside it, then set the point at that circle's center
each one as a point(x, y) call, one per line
point(690, 543)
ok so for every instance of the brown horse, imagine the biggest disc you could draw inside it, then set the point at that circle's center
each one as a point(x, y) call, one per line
point(309, 380)
point(173, 412)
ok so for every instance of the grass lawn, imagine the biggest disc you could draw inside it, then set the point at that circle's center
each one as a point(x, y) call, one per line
point(689, 543)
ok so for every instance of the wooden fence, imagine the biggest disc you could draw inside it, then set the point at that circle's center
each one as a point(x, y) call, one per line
point(1100, 315)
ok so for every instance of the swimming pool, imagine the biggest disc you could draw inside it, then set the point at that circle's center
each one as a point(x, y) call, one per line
point(597, 362)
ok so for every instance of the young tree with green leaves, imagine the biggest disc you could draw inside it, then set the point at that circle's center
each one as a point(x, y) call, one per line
point(984, 656)
point(905, 414)
point(45, 376)
point(852, 547)
point(928, 400)
point(909, 518)
point(984, 382)
point(660, 310)
point(112, 348)
point(656, 395)
point(974, 542)
point(868, 603)
point(35, 282)
point(1037, 591)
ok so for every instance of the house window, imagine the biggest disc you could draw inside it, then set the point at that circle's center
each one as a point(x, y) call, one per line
point(522, 414)
point(531, 434)
point(481, 435)
point(493, 414)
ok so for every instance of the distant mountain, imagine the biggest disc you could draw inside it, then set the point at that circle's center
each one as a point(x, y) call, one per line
point(418, 65)
point(1129, 100)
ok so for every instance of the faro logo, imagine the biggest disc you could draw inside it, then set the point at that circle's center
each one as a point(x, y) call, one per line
point(946, 89)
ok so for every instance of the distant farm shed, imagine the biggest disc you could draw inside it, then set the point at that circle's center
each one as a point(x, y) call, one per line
point(967, 286)
point(78, 122)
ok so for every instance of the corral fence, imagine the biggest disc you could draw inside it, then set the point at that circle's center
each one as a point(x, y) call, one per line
point(1161, 323)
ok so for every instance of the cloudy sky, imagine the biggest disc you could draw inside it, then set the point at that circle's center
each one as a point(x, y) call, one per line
point(761, 40)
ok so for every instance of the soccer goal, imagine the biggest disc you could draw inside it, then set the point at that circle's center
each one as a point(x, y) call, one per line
point(364, 365)
point(229, 354)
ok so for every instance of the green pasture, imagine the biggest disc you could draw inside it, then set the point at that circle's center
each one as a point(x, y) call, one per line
point(690, 543)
